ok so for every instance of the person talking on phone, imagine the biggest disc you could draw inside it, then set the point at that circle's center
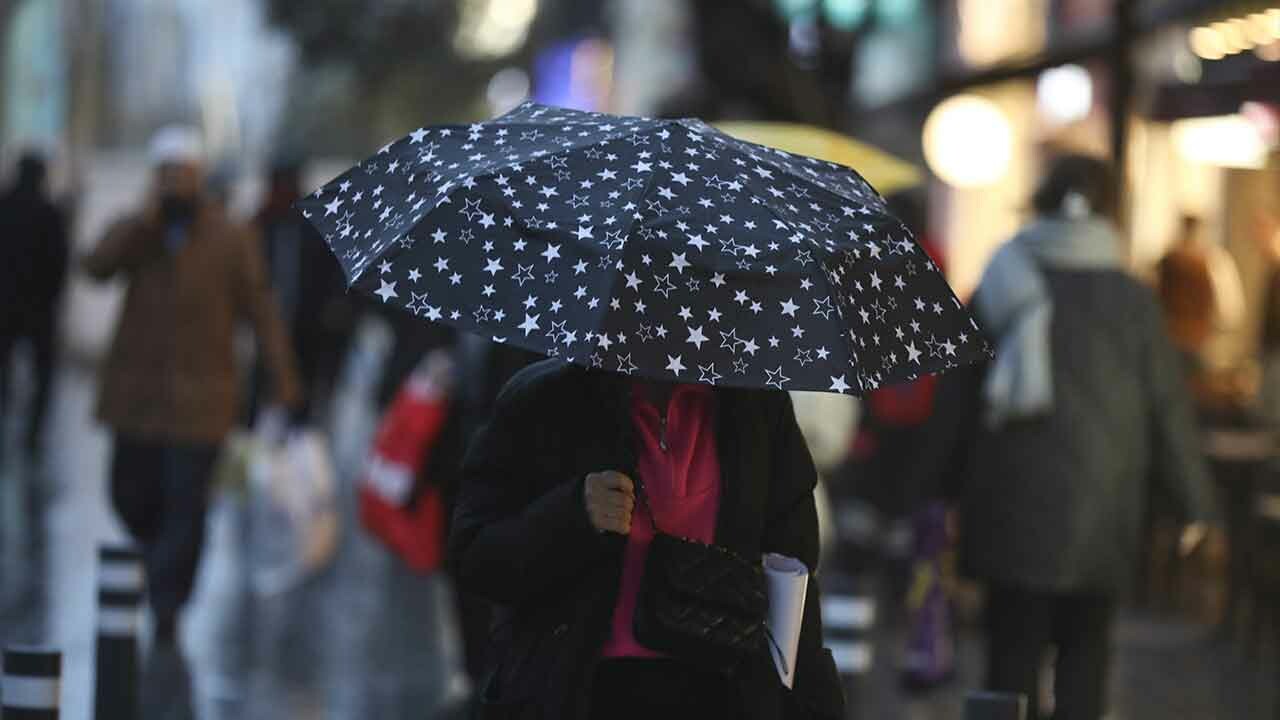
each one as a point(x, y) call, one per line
point(169, 388)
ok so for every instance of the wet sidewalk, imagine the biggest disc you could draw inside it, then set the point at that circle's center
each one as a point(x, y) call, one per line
point(365, 639)
point(361, 639)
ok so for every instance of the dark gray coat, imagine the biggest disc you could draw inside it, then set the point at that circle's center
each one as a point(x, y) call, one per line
point(1056, 503)
point(521, 537)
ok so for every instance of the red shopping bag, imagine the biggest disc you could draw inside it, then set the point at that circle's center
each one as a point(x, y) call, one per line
point(396, 506)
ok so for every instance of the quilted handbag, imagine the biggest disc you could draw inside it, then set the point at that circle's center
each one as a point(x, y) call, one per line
point(704, 604)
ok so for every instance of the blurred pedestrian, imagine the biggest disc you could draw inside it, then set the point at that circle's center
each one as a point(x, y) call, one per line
point(484, 367)
point(888, 469)
point(1203, 301)
point(1083, 403)
point(310, 289)
point(1267, 236)
point(168, 388)
point(553, 525)
point(33, 269)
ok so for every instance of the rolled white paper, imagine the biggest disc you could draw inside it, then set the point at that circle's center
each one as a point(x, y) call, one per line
point(787, 582)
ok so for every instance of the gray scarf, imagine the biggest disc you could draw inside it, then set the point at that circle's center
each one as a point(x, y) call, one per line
point(1015, 306)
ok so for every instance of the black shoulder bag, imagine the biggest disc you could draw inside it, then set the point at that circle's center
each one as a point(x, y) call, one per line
point(701, 603)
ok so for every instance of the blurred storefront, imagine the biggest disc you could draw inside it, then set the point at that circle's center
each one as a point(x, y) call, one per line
point(1182, 93)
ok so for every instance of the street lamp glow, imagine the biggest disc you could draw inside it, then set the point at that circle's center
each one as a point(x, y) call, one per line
point(1064, 94)
point(493, 28)
point(968, 141)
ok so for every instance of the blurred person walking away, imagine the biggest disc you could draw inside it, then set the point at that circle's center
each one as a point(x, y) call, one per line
point(169, 387)
point(311, 292)
point(1200, 292)
point(1058, 436)
point(33, 270)
point(1267, 236)
point(910, 496)
point(1203, 301)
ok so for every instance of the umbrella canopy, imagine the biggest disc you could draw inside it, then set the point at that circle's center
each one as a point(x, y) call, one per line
point(661, 248)
point(885, 172)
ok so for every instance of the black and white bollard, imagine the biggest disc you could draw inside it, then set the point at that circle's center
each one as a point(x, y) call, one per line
point(847, 621)
point(120, 592)
point(994, 706)
point(31, 685)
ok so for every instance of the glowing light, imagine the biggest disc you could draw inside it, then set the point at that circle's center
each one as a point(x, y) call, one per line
point(968, 141)
point(995, 30)
point(493, 28)
point(1207, 43)
point(1233, 36)
point(1259, 29)
point(1225, 140)
point(845, 15)
point(1265, 120)
point(1065, 94)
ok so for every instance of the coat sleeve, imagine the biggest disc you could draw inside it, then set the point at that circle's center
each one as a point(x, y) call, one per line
point(792, 530)
point(510, 543)
point(942, 461)
point(1178, 462)
point(127, 243)
point(258, 305)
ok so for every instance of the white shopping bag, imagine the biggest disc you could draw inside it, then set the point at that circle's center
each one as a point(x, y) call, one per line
point(293, 515)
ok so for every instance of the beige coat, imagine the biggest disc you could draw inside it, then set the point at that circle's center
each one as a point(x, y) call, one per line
point(171, 372)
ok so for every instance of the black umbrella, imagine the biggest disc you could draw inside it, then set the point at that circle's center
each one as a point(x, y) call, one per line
point(661, 248)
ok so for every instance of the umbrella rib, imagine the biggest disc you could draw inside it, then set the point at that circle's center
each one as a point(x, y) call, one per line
point(846, 334)
point(631, 226)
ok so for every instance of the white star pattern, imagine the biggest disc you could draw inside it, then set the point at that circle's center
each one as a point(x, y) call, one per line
point(674, 365)
point(639, 226)
point(696, 337)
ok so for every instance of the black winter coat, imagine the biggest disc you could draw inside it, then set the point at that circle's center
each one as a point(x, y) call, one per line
point(521, 537)
point(33, 261)
point(1056, 503)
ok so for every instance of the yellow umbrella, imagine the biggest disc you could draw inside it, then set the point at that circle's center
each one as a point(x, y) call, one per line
point(886, 173)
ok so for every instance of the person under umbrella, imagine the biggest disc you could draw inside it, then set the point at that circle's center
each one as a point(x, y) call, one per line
point(678, 279)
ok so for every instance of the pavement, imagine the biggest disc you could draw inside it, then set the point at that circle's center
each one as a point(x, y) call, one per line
point(363, 638)
point(360, 638)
